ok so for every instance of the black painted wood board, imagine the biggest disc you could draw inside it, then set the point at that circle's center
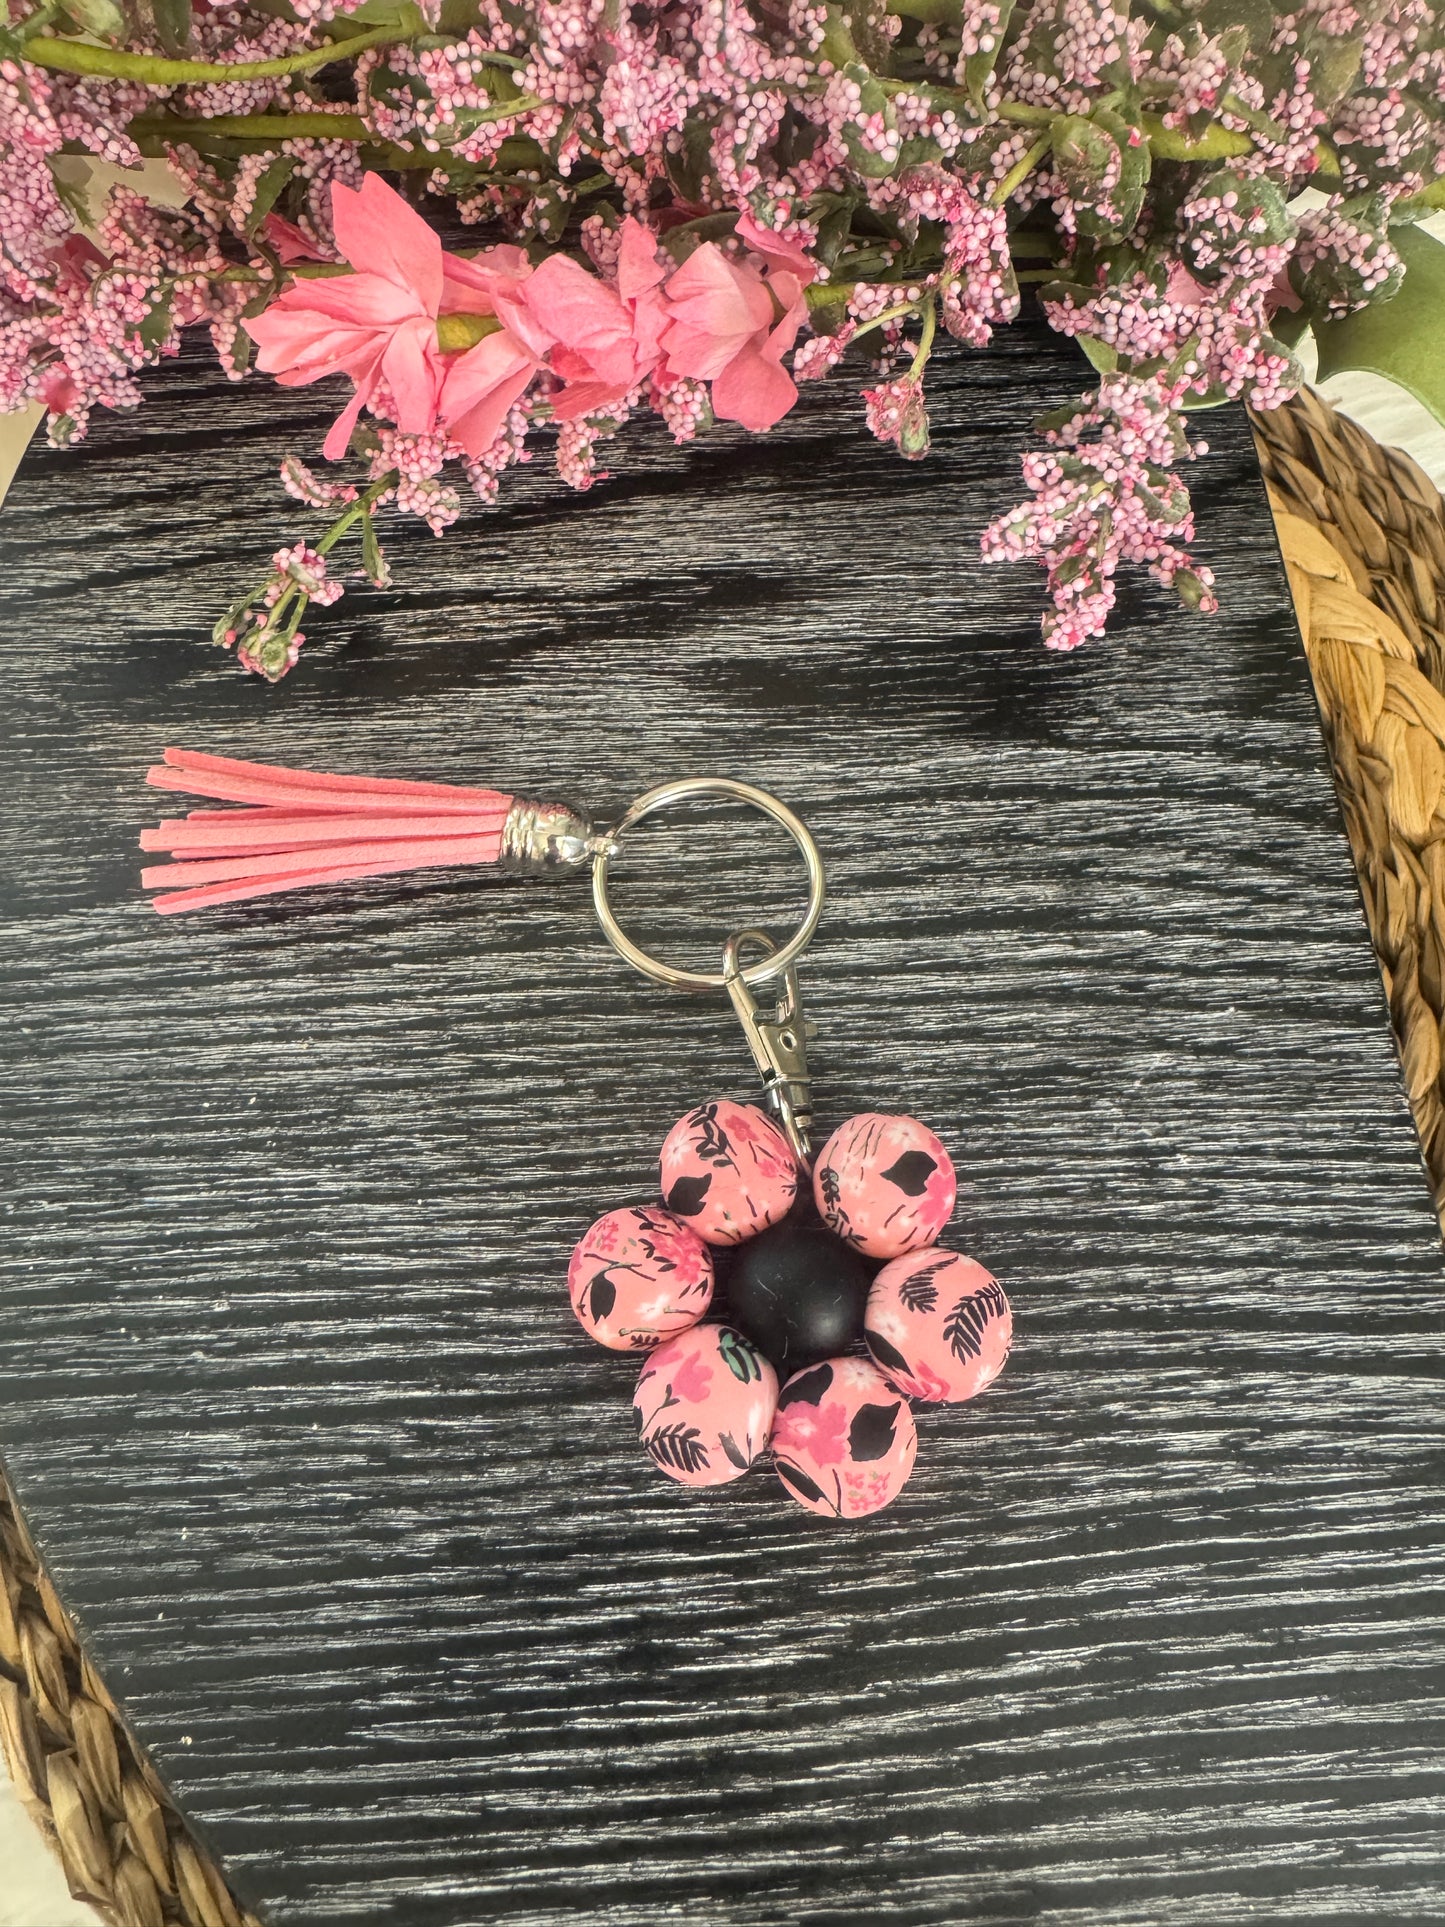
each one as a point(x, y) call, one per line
point(353, 1516)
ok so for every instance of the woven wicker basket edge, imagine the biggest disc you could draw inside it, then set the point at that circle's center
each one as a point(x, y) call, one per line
point(1362, 530)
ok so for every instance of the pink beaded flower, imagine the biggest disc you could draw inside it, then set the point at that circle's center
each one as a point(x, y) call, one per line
point(837, 1304)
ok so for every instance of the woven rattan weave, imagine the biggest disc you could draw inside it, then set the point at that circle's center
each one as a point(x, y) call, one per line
point(1363, 533)
point(80, 1773)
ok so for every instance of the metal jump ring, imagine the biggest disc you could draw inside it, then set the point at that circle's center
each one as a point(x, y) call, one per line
point(766, 968)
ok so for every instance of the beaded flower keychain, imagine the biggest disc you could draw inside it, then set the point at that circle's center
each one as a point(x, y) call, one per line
point(826, 1272)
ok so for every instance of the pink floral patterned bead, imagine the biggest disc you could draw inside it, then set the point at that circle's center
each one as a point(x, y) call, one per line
point(938, 1325)
point(844, 1440)
point(728, 1171)
point(705, 1405)
point(884, 1184)
point(638, 1277)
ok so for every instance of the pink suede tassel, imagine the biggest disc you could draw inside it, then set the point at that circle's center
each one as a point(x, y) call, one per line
point(303, 826)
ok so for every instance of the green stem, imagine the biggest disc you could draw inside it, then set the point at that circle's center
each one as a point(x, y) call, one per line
point(932, 13)
point(300, 270)
point(114, 63)
point(1015, 110)
point(888, 314)
point(1021, 170)
point(363, 505)
point(1165, 143)
point(925, 341)
point(1168, 144)
point(271, 128)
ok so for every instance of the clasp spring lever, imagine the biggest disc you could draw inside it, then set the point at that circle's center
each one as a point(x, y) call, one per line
point(779, 1043)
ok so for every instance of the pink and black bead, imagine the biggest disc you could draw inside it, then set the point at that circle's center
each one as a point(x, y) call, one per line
point(884, 1184)
point(638, 1277)
point(705, 1404)
point(844, 1440)
point(728, 1171)
point(938, 1326)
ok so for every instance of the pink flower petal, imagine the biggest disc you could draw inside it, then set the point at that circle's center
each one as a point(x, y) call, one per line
point(781, 338)
point(290, 242)
point(338, 438)
point(649, 318)
point(710, 291)
point(575, 307)
point(411, 367)
point(480, 386)
point(310, 346)
point(784, 256)
point(512, 310)
point(638, 265)
point(586, 397)
point(469, 286)
point(698, 352)
point(365, 300)
point(288, 340)
point(753, 389)
point(379, 233)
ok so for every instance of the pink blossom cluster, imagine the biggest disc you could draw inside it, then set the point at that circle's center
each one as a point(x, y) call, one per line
point(691, 206)
point(1103, 500)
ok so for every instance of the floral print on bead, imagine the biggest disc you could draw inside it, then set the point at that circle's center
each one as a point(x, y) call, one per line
point(885, 1184)
point(844, 1440)
point(727, 1170)
point(938, 1326)
point(638, 1277)
point(705, 1404)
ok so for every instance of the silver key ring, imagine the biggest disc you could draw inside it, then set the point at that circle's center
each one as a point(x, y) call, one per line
point(766, 968)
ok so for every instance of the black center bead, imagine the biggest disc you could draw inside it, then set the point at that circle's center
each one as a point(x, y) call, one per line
point(799, 1294)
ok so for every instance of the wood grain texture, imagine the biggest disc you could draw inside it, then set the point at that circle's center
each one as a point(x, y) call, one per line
point(354, 1518)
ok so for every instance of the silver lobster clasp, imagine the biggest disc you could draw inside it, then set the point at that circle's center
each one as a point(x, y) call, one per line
point(779, 1043)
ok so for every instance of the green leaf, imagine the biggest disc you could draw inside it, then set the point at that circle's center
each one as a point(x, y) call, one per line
point(1256, 17)
point(1288, 325)
point(873, 103)
point(1400, 338)
point(372, 560)
point(1334, 66)
point(101, 18)
point(173, 26)
point(400, 14)
point(1128, 196)
point(73, 193)
point(1102, 357)
point(978, 68)
point(867, 20)
point(156, 327)
point(268, 190)
point(689, 165)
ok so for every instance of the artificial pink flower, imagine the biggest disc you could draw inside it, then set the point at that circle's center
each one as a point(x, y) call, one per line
point(379, 325)
point(601, 339)
point(58, 390)
point(731, 322)
point(481, 383)
point(376, 325)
